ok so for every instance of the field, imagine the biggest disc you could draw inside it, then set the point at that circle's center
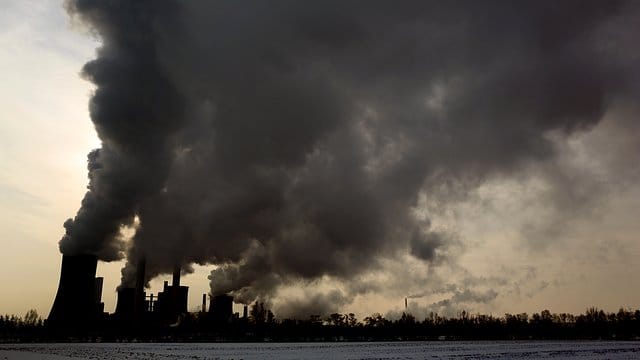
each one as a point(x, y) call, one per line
point(386, 350)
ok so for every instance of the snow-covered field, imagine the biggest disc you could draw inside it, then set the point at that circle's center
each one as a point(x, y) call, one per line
point(389, 350)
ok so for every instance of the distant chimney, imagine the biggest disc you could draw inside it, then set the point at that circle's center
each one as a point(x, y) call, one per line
point(405, 303)
point(176, 276)
point(204, 303)
point(151, 306)
point(245, 312)
point(98, 289)
point(139, 298)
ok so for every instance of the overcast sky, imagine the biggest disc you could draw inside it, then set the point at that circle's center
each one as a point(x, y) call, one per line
point(556, 231)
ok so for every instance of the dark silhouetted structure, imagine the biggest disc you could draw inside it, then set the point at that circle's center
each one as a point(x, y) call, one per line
point(221, 308)
point(78, 300)
point(135, 306)
point(140, 295)
point(132, 305)
point(125, 305)
point(172, 302)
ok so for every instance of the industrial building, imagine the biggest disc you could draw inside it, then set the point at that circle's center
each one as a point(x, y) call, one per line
point(134, 306)
point(78, 301)
point(221, 309)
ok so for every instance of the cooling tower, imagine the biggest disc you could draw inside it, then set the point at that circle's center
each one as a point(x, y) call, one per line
point(126, 304)
point(221, 308)
point(77, 304)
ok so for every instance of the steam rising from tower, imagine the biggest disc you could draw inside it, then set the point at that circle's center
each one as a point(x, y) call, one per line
point(136, 110)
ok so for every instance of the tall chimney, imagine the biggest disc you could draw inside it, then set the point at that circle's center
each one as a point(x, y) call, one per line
point(176, 276)
point(405, 303)
point(139, 292)
point(98, 289)
point(245, 312)
point(204, 303)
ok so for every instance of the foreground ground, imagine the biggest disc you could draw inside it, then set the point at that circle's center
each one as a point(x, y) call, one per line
point(387, 350)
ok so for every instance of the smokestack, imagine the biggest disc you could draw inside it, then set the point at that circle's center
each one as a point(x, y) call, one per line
point(204, 303)
point(176, 276)
point(98, 289)
point(76, 302)
point(139, 292)
point(98, 295)
point(245, 312)
point(405, 303)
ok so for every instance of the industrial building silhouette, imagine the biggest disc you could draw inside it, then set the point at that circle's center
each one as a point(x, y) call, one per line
point(78, 302)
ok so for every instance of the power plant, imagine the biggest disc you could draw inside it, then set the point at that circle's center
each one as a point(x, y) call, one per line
point(78, 302)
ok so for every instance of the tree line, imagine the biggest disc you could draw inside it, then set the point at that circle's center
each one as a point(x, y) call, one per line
point(17, 328)
point(262, 325)
point(592, 324)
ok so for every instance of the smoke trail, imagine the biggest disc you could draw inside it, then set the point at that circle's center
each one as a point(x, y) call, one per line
point(135, 110)
point(286, 141)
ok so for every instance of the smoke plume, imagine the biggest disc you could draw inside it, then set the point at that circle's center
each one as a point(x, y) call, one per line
point(136, 111)
point(288, 141)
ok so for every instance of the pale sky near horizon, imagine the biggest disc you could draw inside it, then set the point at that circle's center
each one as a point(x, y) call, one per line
point(46, 133)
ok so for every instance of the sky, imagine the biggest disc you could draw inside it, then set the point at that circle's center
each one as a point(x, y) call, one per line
point(45, 135)
point(498, 176)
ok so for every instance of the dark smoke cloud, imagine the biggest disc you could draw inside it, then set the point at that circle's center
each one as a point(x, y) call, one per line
point(289, 141)
point(135, 110)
